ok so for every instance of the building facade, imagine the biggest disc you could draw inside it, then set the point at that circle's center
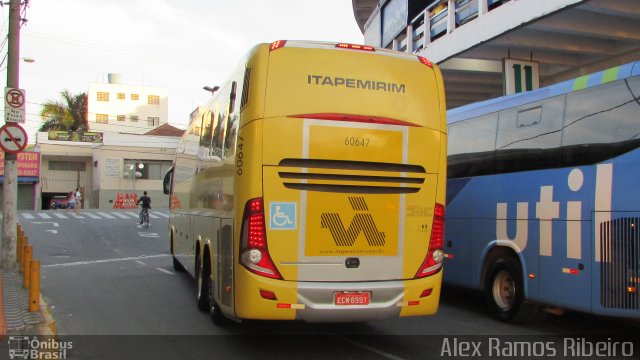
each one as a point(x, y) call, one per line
point(131, 109)
point(120, 165)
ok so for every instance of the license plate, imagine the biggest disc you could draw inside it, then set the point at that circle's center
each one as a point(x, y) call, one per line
point(352, 298)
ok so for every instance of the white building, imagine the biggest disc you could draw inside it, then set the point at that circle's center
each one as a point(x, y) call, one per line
point(103, 169)
point(131, 109)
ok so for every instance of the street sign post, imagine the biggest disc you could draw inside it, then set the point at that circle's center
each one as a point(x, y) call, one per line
point(14, 105)
point(13, 138)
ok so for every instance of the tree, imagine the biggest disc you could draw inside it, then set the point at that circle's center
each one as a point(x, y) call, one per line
point(68, 114)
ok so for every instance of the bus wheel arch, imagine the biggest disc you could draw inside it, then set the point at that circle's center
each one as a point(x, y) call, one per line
point(503, 285)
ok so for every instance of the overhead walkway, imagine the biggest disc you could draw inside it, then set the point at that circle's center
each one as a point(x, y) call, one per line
point(470, 39)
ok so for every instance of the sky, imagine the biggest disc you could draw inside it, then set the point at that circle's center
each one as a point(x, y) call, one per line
point(179, 45)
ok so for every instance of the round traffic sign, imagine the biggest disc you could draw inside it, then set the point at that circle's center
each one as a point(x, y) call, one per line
point(13, 138)
point(14, 98)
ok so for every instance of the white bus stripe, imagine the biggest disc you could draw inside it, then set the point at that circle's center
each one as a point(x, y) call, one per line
point(44, 216)
point(60, 215)
point(604, 189)
point(121, 215)
point(28, 216)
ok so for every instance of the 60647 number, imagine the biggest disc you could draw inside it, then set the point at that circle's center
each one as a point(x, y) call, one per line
point(356, 141)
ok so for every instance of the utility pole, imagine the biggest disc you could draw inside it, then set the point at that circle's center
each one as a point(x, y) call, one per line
point(10, 184)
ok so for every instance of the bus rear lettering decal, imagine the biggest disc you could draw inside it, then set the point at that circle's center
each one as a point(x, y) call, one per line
point(351, 83)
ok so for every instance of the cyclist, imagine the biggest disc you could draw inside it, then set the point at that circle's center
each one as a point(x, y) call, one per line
point(146, 204)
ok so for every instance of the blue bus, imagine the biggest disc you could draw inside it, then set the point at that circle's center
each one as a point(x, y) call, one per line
point(543, 198)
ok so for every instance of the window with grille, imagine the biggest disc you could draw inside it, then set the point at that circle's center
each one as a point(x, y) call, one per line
point(154, 99)
point(120, 117)
point(120, 96)
point(67, 166)
point(103, 96)
point(133, 118)
point(146, 169)
point(102, 118)
point(153, 121)
point(135, 97)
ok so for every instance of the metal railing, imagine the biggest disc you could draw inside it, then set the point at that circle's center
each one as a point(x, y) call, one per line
point(436, 20)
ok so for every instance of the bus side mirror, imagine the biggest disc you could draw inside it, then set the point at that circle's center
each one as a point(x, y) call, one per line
point(166, 183)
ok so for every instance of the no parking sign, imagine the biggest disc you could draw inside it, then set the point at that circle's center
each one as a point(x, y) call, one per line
point(13, 138)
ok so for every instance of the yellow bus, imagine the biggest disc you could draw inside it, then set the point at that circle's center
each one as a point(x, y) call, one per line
point(312, 186)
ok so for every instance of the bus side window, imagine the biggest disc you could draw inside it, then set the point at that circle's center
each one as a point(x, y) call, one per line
point(217, 142)
point(601, 122)
point(529, 136)
point(232, 133)
point(471, 147)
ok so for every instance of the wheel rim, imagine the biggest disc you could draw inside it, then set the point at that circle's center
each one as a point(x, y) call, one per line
point(199, 280)
point(212, 302)
point(504, 290)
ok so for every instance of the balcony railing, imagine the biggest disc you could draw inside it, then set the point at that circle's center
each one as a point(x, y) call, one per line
point(436, 20)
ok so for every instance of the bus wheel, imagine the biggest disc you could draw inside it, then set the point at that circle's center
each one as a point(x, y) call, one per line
point(217, 316)
point(202, 286)
point(503, 290)
point(176, 265)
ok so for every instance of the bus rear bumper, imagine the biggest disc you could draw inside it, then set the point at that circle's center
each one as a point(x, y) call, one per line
point(388, 299)
point(315, 301)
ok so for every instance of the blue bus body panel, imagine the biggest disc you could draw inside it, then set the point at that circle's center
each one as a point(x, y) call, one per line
point(547, 217)
point(566, 273)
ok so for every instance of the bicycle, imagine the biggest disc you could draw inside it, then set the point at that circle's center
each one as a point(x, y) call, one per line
point(145, 217)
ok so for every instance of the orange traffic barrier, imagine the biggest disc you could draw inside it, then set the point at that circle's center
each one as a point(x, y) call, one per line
point(34, 289)
point(26, 266)
point(22, 250)
point(19, 249)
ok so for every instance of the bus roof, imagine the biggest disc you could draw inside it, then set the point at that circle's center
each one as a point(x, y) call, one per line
point(509, 101)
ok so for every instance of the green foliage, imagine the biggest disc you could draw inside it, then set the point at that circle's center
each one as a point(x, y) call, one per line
point(68, 114)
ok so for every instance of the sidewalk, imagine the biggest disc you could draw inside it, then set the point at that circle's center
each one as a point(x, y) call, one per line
point(15, 318)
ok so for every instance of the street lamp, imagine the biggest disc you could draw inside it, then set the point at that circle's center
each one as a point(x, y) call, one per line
point(25, 59)
point(211, 89)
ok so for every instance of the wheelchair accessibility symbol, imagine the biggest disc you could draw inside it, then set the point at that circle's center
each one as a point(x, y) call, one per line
point(282, 215)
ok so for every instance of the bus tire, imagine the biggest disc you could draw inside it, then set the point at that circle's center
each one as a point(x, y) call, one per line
point(202, 286)
point(176, 265)
point(216, 314)
point(504, 293)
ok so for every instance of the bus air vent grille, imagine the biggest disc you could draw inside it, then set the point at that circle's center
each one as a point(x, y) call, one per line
point(620, 263)
point(354, 177)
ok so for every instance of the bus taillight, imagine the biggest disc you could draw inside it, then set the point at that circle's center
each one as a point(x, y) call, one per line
point(277, 45)
point(254, 253)
point(433, 262)
point(425, 61)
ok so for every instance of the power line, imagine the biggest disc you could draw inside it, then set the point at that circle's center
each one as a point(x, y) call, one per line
point(119, 51)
